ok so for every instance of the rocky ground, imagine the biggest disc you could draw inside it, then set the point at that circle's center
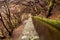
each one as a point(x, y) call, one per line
point(26, 31)
point(29, 32)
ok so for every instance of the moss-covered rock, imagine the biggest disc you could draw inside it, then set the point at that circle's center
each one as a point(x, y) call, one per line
point(47, 29)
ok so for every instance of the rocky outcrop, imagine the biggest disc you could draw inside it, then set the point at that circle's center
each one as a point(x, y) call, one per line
point(45, 29)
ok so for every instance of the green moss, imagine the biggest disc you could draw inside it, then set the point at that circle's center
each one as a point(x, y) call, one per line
point(53, 24)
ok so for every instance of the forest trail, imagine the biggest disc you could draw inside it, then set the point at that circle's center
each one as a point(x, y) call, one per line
point(25, 31)
point(29, 32)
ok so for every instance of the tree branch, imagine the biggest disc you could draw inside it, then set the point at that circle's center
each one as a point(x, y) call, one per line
point(4, 25)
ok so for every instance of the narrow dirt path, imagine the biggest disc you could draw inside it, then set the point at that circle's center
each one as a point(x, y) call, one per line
point(26, 31)
point(29, 32)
